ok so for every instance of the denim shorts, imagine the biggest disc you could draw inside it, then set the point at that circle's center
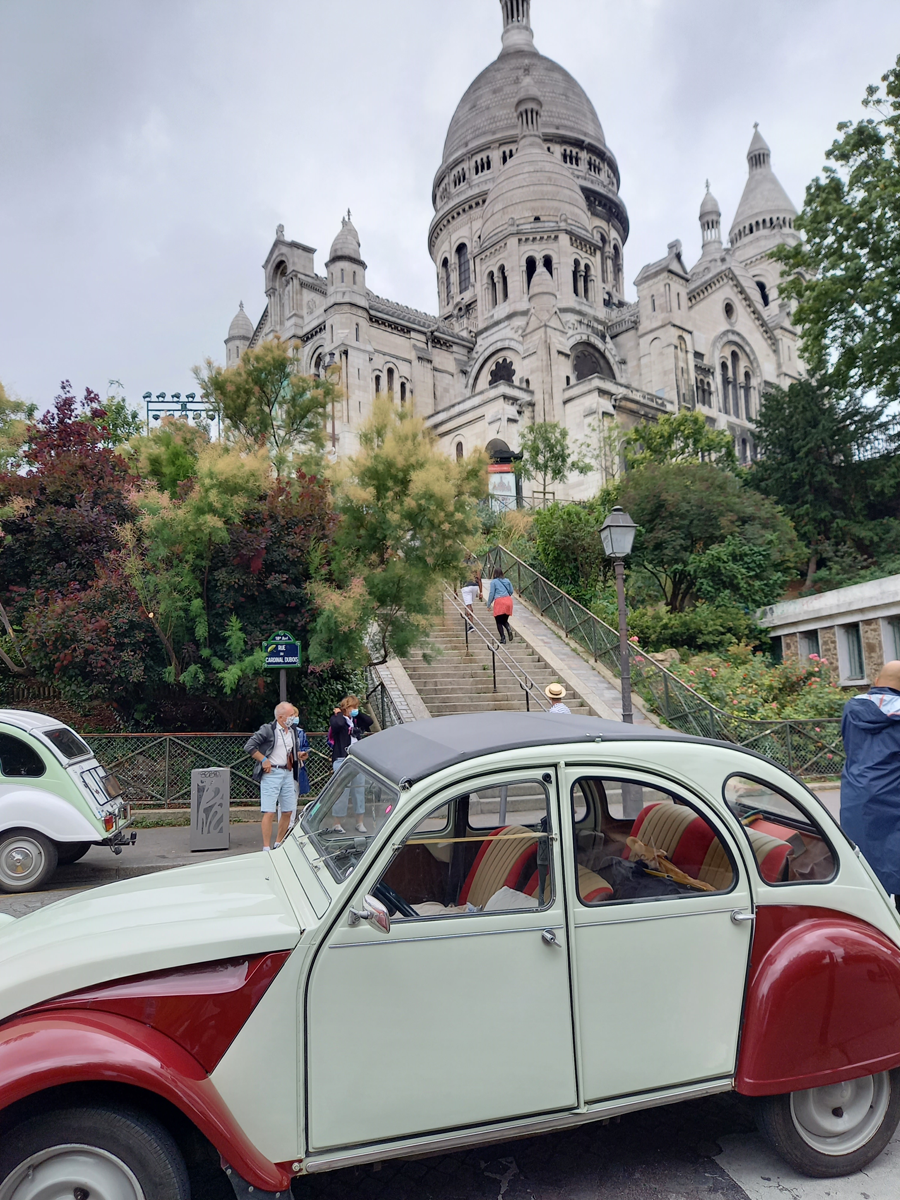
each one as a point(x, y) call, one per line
point(278, 791)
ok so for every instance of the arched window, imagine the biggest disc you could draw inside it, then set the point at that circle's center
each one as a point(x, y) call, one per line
point(342, 274)
point(653, 304)
point(587, 360)
point(744, 455)
point(462, 267)
point(726, 408)
point(447, 286)
point(735, 384)
point(763, 291)
point(402, 391)
point(354, 279)
point(377, 384)
point(588, 288)
point(603, 271)
point(548, 265)
point(748, 383)
point(576, 278)
point(390, 379)
point(357, 330)
point(617, 268)
point(492, 289)
point(459, 450)
point(317, 366)
point(504, 286)
point(530, 268)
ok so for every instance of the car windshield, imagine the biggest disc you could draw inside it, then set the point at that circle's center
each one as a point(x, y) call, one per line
point(68, 744)
point(347, 815)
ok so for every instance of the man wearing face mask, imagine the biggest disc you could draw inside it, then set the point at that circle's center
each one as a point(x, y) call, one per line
point(278, 748)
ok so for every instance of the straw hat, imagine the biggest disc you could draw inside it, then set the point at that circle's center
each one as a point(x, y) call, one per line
point(555, 691)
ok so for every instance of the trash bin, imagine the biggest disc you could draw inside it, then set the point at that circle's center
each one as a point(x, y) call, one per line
point(211, 808)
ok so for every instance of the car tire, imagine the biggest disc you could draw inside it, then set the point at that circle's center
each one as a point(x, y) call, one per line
point(70, 852)
point(27, 859)
point(833, 1130)
point(94, 1151)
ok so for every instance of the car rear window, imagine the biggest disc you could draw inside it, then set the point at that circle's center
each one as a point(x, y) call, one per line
point(69, 744)
point(788, 844)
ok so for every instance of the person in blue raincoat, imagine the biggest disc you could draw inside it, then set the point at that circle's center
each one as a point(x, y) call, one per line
point(870, 783)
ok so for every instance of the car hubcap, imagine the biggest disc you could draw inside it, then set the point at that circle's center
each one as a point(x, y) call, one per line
point(72, 1173)
point(21, 861)
point(841, 1117)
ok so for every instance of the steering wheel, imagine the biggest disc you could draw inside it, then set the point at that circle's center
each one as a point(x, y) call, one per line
point(392, 901)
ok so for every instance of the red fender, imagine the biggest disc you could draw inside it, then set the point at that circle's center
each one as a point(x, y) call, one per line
point(823, 1002)
point(47, 1050)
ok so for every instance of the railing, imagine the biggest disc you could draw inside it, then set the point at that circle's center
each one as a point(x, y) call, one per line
point(380, 701)
point(807, 747)
point(155, 769)
point(533, 692)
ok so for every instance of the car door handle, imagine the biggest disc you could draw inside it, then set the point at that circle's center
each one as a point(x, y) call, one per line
point(739, 917)
point(550, 938)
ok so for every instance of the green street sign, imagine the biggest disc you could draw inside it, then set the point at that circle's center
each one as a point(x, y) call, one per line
point(282, 651)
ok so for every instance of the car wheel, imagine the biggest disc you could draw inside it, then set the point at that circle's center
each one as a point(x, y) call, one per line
point(27, 859)
point(92, 1152)
point(836, 1129)
point(69, 852)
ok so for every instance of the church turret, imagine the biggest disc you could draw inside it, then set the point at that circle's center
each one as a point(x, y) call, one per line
point(765, 215)
point(240, 331)
point(517, 34)
point(345, 267)
point(710, 223)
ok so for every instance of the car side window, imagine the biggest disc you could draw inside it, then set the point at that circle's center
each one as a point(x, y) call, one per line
point(488, 850)
point(788, 846)
point(19, 760)
point(637, 841)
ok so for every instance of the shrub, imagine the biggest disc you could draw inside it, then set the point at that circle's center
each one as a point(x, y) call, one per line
point(709, 628)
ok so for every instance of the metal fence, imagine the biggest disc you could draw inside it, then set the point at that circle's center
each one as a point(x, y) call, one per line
point(808, 747)
point(155, 769)
point(380, 701)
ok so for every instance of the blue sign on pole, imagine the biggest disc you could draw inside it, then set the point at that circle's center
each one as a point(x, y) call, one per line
point(282, 650)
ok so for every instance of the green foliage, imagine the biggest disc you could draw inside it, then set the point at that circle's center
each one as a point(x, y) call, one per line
point(814, 463)
point(169, 456)
point(748, 685)
point(680, 437)
point(569, 549)
point(405, 513)
point(119, 422)
point(845, 274)
point(707, 627)
point(267, 401)
point(547, 456)
point(686, 509)
point(15, 418)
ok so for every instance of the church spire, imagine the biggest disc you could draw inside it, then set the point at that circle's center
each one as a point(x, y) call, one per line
point(517, 33)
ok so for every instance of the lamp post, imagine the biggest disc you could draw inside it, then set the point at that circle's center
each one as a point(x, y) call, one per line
point(617, 533)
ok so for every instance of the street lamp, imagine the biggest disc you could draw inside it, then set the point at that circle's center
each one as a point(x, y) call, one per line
point(617, 533)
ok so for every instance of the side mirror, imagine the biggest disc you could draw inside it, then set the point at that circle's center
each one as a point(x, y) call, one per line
point(374, 911)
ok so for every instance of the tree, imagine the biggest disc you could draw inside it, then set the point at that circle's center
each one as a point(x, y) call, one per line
point(819, 460)
point(570, 549)
point(845, 274)
point(267, 401)
point(405, 509)
point(15, 418)
point(702, 533)
point(119, 422)
point(170, 454)
point(546, 455)
point(680, 437)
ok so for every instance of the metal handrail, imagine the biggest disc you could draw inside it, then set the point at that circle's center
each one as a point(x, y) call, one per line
point(519, 674)
point(809, 746)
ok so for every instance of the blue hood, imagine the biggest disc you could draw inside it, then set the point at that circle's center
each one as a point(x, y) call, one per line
point(870, 783)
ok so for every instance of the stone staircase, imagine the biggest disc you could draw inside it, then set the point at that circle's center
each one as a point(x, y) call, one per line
point(458, 680)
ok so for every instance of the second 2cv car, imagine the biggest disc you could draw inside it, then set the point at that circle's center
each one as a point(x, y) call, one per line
point(548, 921)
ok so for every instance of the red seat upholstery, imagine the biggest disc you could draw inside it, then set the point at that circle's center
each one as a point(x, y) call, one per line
point(686, 840)
point(591, 886)
point(500, 862)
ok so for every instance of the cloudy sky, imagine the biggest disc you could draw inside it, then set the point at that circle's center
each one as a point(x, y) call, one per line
point(150, 147)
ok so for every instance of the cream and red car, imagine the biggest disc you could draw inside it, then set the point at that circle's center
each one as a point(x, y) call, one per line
point(549, 920)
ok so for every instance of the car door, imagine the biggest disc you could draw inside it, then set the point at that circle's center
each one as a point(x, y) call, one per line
point(461, 1013)
point(661, 946)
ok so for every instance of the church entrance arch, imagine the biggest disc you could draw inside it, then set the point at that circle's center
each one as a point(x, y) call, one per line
point(504, 490)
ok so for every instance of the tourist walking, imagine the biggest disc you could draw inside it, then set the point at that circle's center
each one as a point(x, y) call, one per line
point(345, 728)
point(870, 783)
point(279, 750)
point(556, 693)
point(500, 596)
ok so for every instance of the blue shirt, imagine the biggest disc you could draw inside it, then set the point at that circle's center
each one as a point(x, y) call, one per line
point(870, 782)
point(499, 587)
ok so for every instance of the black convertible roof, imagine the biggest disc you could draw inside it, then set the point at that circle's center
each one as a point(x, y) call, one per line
point(410, 752)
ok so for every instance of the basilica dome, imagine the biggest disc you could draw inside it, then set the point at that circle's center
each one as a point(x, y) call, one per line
point(486, 112)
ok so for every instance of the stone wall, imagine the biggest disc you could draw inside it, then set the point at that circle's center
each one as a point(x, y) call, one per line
point(873, 648)
point(828, 648)
point(790, 647)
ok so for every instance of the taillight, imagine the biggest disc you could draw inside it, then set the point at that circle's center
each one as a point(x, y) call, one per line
point(109, 822)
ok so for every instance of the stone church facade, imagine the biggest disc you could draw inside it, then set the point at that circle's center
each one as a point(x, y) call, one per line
point(528, 241)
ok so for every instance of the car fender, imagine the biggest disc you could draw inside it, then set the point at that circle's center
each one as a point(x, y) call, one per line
point(50, 1050)
point(47, 813)
point(823, 1002)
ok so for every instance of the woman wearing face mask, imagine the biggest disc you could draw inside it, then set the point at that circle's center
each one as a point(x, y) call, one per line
point(347, 726)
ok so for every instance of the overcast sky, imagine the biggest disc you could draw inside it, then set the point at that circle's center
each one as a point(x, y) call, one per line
point(150, 147)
